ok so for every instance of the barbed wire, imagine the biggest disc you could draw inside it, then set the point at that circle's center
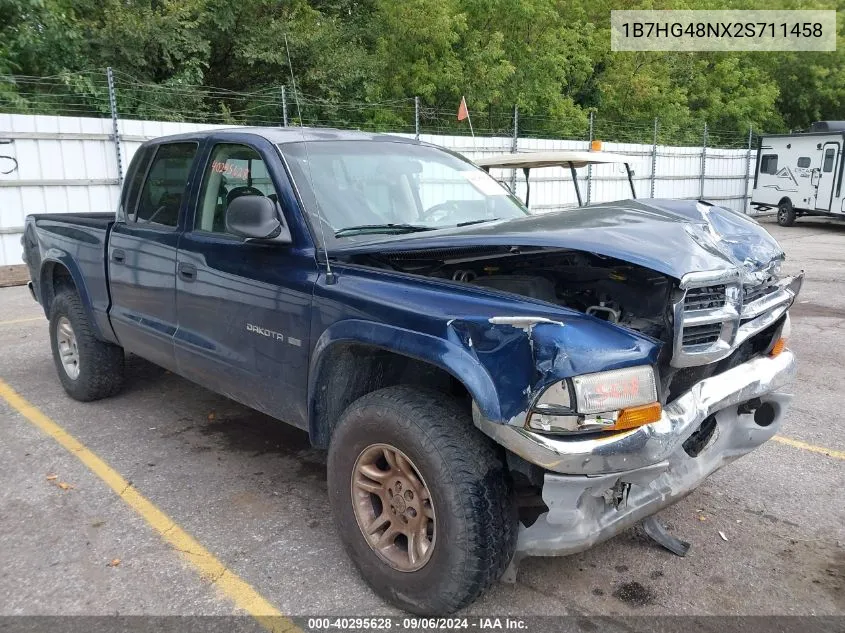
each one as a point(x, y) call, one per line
point(86, 93)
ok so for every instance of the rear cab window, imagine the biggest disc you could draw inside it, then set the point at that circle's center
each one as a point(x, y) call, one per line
point(134, 180)
point(157, 202)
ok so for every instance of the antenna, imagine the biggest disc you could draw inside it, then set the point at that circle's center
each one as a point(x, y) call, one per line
point(331, 278)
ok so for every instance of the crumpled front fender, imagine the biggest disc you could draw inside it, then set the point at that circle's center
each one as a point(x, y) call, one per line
point(446, 353)
point(524, 354)
point(503, 361)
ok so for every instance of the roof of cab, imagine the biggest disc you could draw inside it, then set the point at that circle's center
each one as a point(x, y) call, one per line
point(290, 135)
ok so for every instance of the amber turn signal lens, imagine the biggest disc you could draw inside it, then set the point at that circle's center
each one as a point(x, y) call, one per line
point(779, 346)
point(595, 146)
point(637, 416)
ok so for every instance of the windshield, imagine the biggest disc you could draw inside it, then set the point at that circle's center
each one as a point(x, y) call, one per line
point(366, 188)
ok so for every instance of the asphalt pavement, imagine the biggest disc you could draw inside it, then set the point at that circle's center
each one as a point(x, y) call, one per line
point(767, 532)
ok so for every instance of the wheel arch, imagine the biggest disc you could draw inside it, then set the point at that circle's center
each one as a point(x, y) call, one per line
point(354, 357)
point(59, 272)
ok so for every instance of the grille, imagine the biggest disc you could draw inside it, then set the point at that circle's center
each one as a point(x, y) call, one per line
point(702, 334)
point(752, 293)
point(682, 380)
point(679, 381)
point(704, 298)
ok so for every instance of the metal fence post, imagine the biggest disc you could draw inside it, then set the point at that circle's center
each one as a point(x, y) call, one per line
point(590, 167)
point(284, 107)
point(515, 142)
point(115, 132)
point(747, 170)
point(417, 118)
point(654, 158)
point(703, 163)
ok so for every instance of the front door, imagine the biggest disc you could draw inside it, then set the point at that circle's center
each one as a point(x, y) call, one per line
point(142, 252)
point(243, 307)
point(831, 155)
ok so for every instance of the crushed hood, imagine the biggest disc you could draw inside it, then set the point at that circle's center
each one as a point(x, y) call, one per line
point(674, 237)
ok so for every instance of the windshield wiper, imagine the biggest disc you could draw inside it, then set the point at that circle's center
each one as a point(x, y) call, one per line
point(476, 221)
point(382, 228)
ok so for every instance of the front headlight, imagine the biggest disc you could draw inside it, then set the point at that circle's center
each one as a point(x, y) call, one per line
point(614, 390)
point(604, 401)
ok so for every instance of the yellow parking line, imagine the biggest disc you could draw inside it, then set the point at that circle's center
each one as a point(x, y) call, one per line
point(13, 321)
point(809, 447)
point(204, 562)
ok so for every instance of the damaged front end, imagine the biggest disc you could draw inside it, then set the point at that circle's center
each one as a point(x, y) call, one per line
point(691, 405)
point(628, 370)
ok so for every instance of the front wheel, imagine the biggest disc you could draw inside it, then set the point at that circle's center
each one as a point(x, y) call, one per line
point(88, 368)
point(421, 498)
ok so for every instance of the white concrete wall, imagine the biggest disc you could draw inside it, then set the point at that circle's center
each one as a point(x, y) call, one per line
point(69, 164)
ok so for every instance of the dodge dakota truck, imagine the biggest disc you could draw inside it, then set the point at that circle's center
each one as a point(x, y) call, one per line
point(490, 384)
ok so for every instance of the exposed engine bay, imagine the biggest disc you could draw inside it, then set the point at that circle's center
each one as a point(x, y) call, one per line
point(606, 288)
point(631, 296)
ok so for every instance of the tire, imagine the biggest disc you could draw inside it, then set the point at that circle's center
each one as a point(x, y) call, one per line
point(786, 213)
point(475, 519)
point(98, 371)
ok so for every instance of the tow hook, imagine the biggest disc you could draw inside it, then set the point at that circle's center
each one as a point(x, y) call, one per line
point(764, 412)
point(749, 407)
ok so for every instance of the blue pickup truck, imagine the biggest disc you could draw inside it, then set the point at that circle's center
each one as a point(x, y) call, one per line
point(489, 384)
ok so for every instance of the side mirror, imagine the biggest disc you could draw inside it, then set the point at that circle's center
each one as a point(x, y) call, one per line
point(255, 217)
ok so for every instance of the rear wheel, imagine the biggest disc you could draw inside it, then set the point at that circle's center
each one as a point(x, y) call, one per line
point(421, 498)
point(88, 368)
point(786, 213)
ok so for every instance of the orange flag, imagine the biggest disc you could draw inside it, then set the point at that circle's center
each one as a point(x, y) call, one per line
point(463, 113)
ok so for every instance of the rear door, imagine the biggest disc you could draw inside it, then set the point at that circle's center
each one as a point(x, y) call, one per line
point(243, 308)
point(142, 250)
point(831, 155)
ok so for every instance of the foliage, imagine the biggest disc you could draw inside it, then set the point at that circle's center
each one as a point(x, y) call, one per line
point(361, 63)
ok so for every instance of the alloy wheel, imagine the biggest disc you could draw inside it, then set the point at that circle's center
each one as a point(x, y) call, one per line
point(393, 507)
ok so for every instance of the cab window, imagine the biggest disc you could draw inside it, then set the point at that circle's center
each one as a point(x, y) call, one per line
point(232, 171)
point(134, 181)
point(164, 189)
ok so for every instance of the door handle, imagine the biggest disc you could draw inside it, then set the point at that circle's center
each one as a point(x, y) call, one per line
point(188, 272)
point(118, 256)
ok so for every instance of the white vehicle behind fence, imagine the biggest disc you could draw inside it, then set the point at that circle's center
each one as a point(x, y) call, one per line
point(801, 174)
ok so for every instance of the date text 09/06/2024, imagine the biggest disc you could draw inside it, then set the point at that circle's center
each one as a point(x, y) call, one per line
point(417, 624)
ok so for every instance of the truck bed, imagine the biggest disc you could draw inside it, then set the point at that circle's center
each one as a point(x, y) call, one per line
point(75, 244)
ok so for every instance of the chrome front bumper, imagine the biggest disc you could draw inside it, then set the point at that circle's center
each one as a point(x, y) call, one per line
point(649, 464)
point(652, 443)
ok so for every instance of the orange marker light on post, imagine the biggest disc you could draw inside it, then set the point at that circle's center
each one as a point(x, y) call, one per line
point(595, 146)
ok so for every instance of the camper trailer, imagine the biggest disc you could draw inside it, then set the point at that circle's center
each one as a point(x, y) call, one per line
point(801, 174)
